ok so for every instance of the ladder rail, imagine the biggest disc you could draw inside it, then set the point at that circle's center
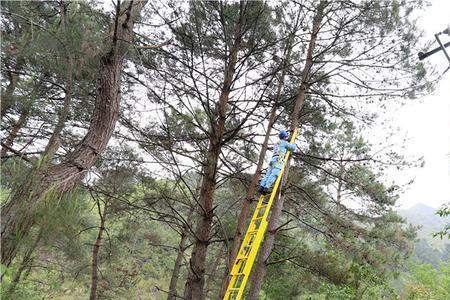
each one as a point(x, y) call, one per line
point(254, 235)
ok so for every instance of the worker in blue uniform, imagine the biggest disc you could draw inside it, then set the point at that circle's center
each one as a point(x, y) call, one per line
point(276, 162)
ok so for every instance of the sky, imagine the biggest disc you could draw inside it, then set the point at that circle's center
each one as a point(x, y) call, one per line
point(426, 123)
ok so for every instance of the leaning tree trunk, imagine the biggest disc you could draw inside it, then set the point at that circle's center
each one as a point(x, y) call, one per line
point(179, 260)
point(261, 265)
point(196, 276)
point(240, 227)
point(18, 214)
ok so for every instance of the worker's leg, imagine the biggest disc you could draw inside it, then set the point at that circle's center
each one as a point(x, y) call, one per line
point(266, 177)
point(272, 176)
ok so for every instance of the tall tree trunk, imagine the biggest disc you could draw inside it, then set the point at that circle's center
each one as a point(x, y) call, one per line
point(261, 265)
point(196, 276)
point(18, 214)
point(241, 224)
point(95, 252)
point(179, 260)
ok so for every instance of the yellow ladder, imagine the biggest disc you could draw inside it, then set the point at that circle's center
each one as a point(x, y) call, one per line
point(243, 264)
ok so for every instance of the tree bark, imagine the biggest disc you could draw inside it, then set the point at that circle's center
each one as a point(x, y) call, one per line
point(261, 265)
point(179, 260)
point(18, 214)
point(95, 252)
point(196, 276)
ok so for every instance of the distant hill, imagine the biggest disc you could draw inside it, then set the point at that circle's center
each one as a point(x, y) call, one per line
point(424, 215)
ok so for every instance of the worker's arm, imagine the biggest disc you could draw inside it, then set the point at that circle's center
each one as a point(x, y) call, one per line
point(291, 147)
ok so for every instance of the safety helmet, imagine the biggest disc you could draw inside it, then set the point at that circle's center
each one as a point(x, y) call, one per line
point(283, 134)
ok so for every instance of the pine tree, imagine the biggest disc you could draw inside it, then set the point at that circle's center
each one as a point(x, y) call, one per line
point(18, 214)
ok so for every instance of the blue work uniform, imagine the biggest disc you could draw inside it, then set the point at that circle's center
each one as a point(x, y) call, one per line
point(279, 150)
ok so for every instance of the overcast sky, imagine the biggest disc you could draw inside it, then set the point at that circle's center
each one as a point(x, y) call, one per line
point(426, 123)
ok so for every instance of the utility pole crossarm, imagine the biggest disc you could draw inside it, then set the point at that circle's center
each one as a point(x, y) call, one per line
point(423, 55)
point(437, 49)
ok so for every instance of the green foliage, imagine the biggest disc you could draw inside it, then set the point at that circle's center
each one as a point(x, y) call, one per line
point(4, 195)
point(425, 253)
point(28, 290)
point(425, 282)
point(132, 261)
point(443, 212)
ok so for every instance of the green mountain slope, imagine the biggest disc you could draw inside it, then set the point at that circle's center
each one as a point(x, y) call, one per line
point(428, 248)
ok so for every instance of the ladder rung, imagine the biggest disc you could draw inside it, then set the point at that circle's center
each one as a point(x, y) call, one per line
point(252, 231)
point(259, 218)
point(241, 258)
point(237, 274)
point(261, 206)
